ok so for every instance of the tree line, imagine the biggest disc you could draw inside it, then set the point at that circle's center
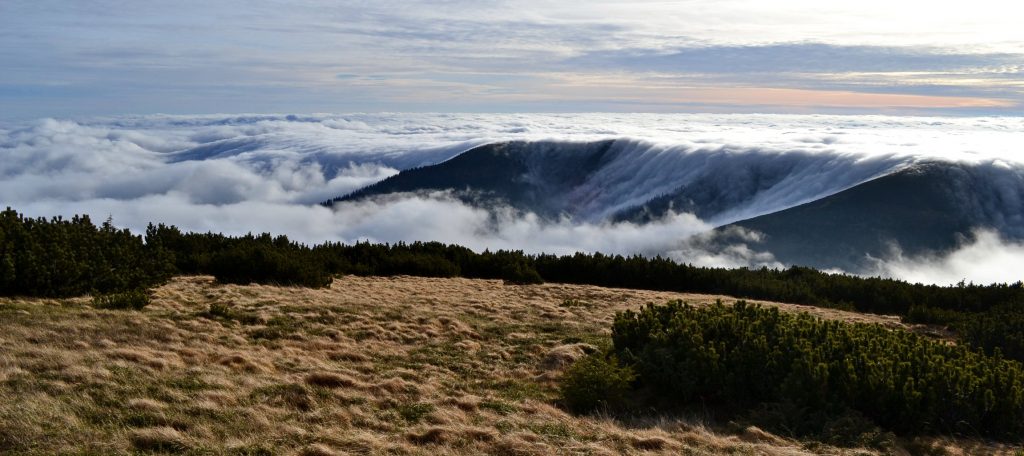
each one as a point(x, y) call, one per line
point(70, 257)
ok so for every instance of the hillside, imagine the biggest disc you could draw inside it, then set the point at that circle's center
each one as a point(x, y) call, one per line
point(925, 208)
point(625, 179)
point(534, 177)
point(815, 209)
point(398, 365)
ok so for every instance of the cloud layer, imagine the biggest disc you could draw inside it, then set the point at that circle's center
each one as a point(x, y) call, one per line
point(239, 174)
point(986, 259)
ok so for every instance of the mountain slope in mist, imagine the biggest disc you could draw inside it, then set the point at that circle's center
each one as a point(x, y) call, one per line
point(929, 207)
point(628, 180)
point(241, 173)
point(539, 178)
point(815, 209)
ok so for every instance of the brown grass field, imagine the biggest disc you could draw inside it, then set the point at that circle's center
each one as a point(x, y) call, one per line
point(398, 365)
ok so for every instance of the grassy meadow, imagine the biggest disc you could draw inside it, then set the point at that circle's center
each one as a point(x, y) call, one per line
point(399, 365)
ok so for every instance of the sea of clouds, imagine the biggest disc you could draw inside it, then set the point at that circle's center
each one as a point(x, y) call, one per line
point(265, 173)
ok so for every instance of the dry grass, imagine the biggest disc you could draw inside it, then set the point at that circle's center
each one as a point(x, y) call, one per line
point(370, 366)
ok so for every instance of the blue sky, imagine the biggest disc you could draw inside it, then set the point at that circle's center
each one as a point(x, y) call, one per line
point(108, 57)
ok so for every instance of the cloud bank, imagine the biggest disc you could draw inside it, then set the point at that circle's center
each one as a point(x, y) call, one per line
point(987, 258)
point(254, 173)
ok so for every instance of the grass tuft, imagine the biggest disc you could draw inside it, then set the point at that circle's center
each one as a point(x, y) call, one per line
point(159, 439)
point(432, 436)
point(330, 380)
point(128, 300)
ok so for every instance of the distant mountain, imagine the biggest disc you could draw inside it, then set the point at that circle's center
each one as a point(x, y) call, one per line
point(534, 177)
point(618, 180)
point(929, 207)
point(813, 208)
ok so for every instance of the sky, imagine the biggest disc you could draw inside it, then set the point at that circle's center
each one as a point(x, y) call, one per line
point(114, 57)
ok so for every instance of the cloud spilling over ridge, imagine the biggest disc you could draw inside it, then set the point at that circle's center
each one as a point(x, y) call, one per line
point(256, 173)
point(598, 180)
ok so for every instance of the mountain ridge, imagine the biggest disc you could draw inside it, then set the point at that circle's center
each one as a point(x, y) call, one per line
point(614, 178)
point(813, 209)
point(931, 207)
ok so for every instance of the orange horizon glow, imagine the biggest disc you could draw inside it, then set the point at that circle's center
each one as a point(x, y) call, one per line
point(577, 87)
point(832, 98)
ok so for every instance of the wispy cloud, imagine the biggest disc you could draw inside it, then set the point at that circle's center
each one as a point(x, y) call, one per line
point(794, 58)
point(105, 56)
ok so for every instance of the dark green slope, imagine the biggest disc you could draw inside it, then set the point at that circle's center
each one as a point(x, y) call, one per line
point(928, 207)
point(530, 176)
